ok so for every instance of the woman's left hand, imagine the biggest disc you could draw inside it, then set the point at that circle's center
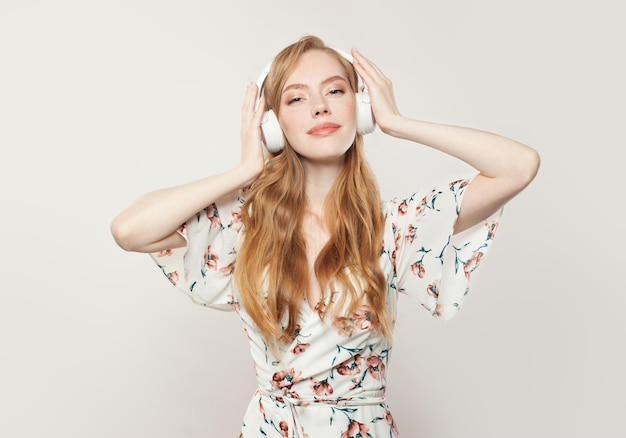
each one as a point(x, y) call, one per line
point(380, 90)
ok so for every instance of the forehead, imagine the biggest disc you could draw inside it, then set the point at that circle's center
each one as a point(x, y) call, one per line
point(315, 66)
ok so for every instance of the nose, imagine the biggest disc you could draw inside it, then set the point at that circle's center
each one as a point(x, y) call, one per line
point(319, 107)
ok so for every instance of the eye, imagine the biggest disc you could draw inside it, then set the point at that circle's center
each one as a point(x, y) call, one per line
point(294, 99)
point(337, 92)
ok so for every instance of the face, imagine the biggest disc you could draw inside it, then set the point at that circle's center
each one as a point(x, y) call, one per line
point(318, 108)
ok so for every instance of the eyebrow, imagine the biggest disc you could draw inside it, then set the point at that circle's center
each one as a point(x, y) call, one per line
point(324, 82)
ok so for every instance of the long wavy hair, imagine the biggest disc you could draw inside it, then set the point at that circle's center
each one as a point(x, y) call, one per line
point(272, 271)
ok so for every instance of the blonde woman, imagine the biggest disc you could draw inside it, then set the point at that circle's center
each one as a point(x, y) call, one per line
point(297, 242)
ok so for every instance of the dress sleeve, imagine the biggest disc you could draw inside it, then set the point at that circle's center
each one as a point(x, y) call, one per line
point(428, 262)
point(203, 269)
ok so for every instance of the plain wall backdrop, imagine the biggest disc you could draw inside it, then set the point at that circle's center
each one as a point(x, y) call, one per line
point(101, 101)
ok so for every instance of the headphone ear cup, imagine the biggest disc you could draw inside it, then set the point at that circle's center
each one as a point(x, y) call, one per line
point(365, 123)
point(272, 134)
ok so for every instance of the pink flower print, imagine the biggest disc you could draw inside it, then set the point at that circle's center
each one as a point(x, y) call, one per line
point(393, 259)
point(213, 215)
point(173, 277)
point(433, 288)
point(420, 209)
point(426, 200)
point(228, 270)
point(402, 208)
point(235, 222)
point(284, 428)
point(343, 325)
point(397, 236)
point(165, 253)
point(233, 302)
point(300, 348)
point(286, 378)
point(461, 183)
point(322, 388)
point(350, 367)
point(375, 366)
point(320, 309)
point(418, 269)
point(473, 263)
point(438, 309)
point(392, 424)
point(491, 229)
point(210, 259)
point(411, 234)
point(363, 317)
point(355, 430)
point(182, 230)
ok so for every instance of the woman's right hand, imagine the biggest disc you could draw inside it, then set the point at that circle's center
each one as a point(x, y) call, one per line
point(252, 149)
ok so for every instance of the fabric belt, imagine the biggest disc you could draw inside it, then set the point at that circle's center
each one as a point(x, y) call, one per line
point(365, 398)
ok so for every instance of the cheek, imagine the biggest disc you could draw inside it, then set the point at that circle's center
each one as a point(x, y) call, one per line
point(286, 123)
point(289, 122)
point(349, 115)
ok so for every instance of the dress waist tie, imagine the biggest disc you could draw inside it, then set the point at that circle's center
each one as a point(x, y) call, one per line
point(295, 429)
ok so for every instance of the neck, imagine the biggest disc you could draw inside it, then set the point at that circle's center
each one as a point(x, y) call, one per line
point(319, 178)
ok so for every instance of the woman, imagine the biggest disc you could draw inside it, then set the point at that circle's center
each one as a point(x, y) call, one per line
point(296, 242)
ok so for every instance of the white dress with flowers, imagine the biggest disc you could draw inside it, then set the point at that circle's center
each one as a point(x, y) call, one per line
point(330, 381)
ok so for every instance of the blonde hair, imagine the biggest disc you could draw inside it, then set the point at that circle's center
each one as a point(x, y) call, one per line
point(272, 271)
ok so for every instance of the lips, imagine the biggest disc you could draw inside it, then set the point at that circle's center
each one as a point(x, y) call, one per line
point(323, 129)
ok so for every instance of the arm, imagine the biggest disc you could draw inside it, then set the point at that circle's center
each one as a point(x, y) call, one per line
point(150, 222)
point(505, 166)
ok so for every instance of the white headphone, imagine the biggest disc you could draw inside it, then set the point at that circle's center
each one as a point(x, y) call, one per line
point(272, 133)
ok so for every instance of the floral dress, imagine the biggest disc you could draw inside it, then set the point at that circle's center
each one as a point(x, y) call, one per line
point(330, 381)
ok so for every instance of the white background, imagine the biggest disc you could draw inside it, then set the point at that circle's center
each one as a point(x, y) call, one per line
point(101, 101)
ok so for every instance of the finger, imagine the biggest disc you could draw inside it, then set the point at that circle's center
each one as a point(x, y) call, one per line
point(363, 61)
point(260, 110)
point(251, 95)
point(367, 67)
point(359, 56)
point(366, 74)
point(249, 101)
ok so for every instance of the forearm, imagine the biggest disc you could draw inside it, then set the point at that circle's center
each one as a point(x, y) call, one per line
point(155, 216)
point(492, 155)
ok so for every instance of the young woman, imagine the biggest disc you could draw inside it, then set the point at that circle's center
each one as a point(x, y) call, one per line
point(299, 244)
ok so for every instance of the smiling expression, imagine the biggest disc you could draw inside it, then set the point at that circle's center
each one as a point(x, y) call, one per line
point(317, 108)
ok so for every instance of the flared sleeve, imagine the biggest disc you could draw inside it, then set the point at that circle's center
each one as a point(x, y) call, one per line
point(203, 269)
point(427, 261)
